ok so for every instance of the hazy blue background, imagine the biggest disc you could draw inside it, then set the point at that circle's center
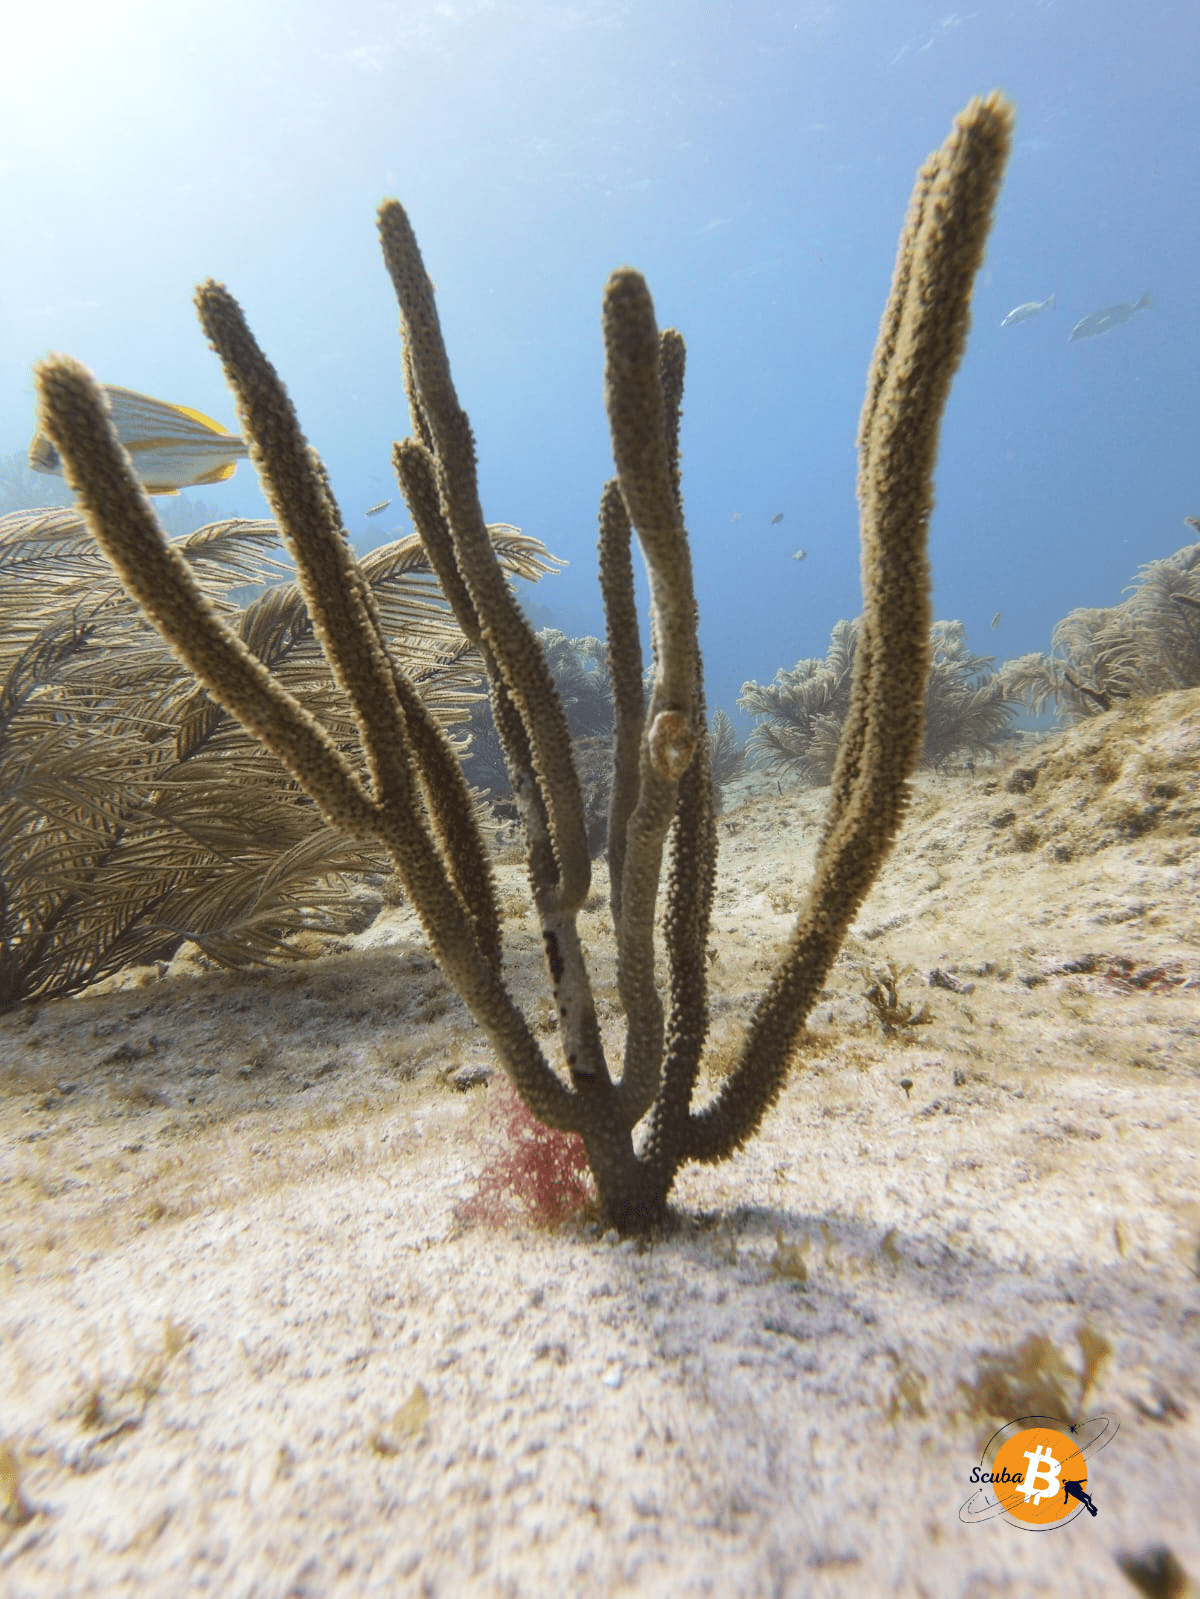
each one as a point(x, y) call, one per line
point(753, 159)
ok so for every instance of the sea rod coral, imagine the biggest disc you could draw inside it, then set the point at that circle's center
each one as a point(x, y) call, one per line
point(416, 802)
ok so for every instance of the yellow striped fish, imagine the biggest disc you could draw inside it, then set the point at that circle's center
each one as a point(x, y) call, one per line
point(172, 447)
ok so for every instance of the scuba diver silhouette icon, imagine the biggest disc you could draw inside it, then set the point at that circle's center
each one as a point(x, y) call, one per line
point(1075, 1490)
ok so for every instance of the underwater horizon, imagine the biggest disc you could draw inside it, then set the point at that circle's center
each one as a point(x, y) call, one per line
point(754, 161)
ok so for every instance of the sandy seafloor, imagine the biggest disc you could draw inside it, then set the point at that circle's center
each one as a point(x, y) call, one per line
point(248, 1346)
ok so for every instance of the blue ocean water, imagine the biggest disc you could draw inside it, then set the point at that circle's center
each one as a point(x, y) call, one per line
point(754, 160)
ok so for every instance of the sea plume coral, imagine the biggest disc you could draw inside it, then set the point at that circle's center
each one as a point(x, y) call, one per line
point(1148, 644)
point(969, 708)
point(728, 756)
point(135, 813)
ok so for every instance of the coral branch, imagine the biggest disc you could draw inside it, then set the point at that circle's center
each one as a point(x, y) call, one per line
point(663, 762)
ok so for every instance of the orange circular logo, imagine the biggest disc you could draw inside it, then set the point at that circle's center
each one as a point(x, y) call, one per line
point(1039, 1476)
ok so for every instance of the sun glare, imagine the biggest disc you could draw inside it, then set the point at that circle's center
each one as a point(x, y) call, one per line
point(65, 59)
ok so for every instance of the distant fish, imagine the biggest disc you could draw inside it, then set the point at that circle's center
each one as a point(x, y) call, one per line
point(735, 516)
point(1022, 313)
point(172, 447)
point(777, 518)
point(377, 510)
point(799, 555)
point(1091, 327)
point(996, 620)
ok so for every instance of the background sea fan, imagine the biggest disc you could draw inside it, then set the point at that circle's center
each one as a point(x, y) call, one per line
point(135, 814)
point(969, 708)
point(728, 756)
point(1149, 644)
point(802, 710)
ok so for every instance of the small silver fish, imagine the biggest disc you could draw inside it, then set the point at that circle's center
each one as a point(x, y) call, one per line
point(377, 510)
point(996, 620)
point(1022, 313)
point(799, 555)
point(1098, 322)
point(735, 516)
point(777, 518)
point(172, 447)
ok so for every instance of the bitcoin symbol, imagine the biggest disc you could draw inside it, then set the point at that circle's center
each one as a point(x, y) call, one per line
point(1042, 1468)
point(1036, 1460)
